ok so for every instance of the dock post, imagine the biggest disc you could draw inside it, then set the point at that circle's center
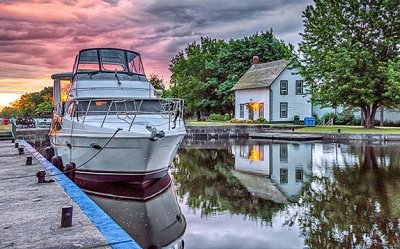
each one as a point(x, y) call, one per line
point(66, 216)
point(28, 160)
point(20, 150)
point(70, 170)
point(41, 175)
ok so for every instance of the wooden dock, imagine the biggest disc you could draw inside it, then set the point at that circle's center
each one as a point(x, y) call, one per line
point(30, 212)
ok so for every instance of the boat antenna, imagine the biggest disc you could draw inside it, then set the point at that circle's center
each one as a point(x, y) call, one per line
point(116, 76)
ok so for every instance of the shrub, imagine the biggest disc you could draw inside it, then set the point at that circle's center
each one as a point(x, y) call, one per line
point(261, 120)
point(218, 117)
point(243, 121)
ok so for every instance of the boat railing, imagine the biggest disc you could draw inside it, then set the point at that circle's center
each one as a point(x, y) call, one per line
point(170, 109)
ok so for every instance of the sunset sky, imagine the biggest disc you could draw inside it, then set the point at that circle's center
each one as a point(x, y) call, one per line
point(41, 37)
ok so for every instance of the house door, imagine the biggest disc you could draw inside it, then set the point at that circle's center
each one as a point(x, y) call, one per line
point(251, 113)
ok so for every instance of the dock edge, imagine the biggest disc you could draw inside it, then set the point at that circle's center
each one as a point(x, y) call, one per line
point(115, 236)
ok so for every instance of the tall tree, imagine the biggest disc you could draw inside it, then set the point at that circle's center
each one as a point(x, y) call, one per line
point(347, 50)
point(205, 72)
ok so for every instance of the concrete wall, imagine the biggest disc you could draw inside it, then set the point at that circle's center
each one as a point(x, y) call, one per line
point(297, 104)
point(222, 131)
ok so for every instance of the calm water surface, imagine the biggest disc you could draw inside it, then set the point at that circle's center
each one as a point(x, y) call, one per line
point(259, 194)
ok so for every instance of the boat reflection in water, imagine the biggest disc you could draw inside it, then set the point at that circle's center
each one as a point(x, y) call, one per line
point(149, 213)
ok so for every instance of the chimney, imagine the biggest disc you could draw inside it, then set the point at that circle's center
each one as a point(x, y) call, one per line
point(255, 60)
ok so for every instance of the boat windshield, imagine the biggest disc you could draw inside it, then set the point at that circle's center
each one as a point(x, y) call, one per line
point(108, 60)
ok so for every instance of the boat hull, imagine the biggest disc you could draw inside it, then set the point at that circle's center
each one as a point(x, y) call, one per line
point(122, 158)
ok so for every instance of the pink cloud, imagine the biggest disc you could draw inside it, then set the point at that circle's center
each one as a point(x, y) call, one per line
point(42, 37)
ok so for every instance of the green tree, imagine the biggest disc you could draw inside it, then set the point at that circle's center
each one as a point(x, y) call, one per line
point(156, 81)
point(346, 51)
point(193, 77)
point(206, 71)
point(44, 108)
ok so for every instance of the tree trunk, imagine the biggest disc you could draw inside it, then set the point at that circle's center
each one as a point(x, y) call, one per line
point(369, 112)
point(381, 122)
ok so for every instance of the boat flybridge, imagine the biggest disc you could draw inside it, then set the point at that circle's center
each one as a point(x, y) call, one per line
point(111, 122)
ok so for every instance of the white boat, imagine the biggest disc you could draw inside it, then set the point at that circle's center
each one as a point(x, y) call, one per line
point(111, 122)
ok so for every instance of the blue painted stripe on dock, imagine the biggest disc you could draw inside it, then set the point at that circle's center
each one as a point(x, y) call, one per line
point(112, 232)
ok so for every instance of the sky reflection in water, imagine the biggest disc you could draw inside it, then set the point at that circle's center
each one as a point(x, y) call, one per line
point(259, 194)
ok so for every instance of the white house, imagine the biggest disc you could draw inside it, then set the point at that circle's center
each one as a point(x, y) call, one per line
point(274, 91)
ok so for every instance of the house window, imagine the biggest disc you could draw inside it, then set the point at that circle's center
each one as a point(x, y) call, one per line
point(283, 176)
point(241, 110)
point(261, 111)
point(283, 152)
point(284, 87)
point(299, 174)
point(299, 87)
point(284, 110)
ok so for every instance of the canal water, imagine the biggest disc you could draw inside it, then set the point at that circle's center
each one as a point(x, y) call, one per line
point(261, 194)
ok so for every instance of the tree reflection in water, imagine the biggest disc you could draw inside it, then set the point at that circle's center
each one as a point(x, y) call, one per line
point(206, 177)
point(355, 205)
point(359, 207)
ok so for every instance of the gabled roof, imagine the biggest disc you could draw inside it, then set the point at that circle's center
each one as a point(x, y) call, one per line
point(261, 75)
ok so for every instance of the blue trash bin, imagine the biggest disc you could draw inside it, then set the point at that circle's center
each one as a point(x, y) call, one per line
point(309, 121)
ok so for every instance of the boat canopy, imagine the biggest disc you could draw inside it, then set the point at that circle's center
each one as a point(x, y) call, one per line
point(108, 60)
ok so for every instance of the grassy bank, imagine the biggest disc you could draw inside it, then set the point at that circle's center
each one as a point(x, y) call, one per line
point(350, 129)
point(314, 129)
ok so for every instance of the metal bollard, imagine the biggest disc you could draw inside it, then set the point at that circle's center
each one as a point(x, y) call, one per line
point(12, 141)
point(16, 145)
point(70, 170)
point(20, 150)
point(66, 216)
point(41, 175)
point(28, 160)
point(57, 161)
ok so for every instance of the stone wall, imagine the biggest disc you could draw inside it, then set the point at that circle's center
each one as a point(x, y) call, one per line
point(224, 131)
point(34, 135)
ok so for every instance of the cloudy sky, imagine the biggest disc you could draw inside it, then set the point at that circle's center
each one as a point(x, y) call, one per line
point(41, 37)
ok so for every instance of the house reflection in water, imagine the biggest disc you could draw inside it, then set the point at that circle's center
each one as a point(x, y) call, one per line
point(274, 171)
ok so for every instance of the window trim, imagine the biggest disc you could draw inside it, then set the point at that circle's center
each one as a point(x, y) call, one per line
point(287, 87)
point(302, 87)
point(280, 109)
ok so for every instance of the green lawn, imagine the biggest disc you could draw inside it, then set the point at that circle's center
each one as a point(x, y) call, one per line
point(350, 129)
point(314, 129)
point(216, 123)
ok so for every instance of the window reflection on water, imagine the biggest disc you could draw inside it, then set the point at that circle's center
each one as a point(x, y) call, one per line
point(299, 195)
